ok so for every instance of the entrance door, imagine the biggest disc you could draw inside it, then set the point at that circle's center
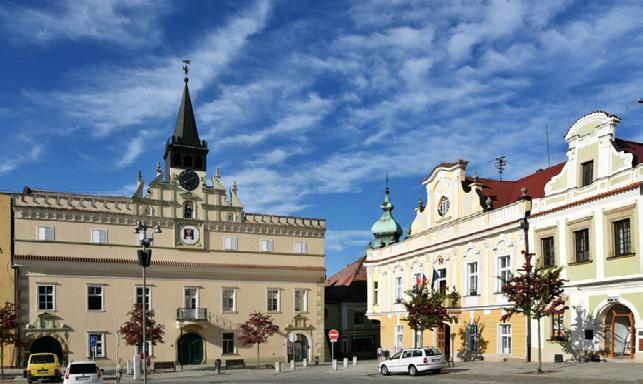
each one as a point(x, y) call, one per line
point(300, 348)
point(444, 339)
point(190, 349)
point(620, 332)
point(47, 344)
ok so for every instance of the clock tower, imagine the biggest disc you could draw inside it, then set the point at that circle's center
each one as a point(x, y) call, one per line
point(185, 154)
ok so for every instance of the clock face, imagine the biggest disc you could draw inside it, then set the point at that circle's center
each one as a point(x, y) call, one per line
point(189, 179)
point(443, 206)
point(189, 234)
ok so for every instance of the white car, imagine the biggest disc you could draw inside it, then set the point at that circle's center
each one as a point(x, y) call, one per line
point(83, 372)
point(414, 361)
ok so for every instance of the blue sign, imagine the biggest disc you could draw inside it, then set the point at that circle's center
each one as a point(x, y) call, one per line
point(93, 341)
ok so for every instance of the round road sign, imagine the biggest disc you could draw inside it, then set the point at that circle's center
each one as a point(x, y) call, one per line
point(333, 335)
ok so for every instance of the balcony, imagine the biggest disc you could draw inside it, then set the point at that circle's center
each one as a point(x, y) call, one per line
point(191, 314)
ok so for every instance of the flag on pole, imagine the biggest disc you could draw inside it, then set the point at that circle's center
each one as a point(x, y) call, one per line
point(435, 278)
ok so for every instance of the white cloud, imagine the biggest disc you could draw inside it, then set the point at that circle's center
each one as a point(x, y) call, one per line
point(18, 151)
point(339, 241)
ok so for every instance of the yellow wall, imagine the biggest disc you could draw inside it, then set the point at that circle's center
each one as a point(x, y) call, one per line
point(6, 272)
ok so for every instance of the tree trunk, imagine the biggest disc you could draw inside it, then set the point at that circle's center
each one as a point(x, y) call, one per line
point(257, 355)
point(528, 358)
point(540, 361)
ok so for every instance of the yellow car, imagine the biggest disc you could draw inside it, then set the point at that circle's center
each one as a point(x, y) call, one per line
point(43, 366)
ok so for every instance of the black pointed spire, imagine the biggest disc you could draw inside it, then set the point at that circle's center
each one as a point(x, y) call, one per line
point(185, 131)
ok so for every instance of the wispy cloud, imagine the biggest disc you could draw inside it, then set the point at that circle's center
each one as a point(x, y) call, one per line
point(19, 150)
point(338, 241)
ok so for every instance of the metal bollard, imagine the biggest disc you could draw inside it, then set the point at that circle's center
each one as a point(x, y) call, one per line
point(334, 364)
point(354, 361)
point(345, 362)
point(129, 369)
point(217, 365)
point(305, 363)
point(277, 366)
point(292, 365)
point(137, 366)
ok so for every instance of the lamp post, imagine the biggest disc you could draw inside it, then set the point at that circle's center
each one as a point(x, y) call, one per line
point(144, 258)
point(524, 224)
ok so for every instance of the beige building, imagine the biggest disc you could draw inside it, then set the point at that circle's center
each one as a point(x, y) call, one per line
point(7, 286)
point(585, 217)
point(212, 265)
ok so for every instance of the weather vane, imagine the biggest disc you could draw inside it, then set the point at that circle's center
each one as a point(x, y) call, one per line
point(186, 68)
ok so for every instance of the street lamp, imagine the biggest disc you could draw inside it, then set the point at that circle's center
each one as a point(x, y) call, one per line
point(524, 225)
point(144, 259)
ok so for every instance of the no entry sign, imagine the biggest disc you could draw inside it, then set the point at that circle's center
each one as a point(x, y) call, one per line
point(333, 335)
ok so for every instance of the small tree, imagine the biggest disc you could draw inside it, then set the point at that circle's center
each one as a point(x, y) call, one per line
point(132, 329)
point(256, 330)
point(9, 331)
point(536, 292)
point(425, 308)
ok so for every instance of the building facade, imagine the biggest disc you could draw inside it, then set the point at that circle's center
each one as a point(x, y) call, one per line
point(345, 311)
point(212, 265)
point(7, 280)
point(468, 238)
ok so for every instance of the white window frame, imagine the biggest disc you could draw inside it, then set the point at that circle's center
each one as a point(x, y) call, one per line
point(267, 245)
point(398, 289)
point(376, 292)
point(53, 296)
point(98, 230)
point(268, 300)
point(472, 276)
point(100, 341)
point(197, 296)
point(102, 297)
point(305, 301)
point(399, 337)
point(301, 247)
point(234, 343)
point(234, 299)
point(148, 301)
point(233, 243)
point(46, 227)
point(502, 336)
point(500, 270)
point(150, 348)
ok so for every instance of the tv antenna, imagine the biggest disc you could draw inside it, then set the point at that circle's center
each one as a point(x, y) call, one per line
point(501, 163)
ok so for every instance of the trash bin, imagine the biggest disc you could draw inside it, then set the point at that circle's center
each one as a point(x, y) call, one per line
point(558, 358)
point(217, 365)
point(316, 360)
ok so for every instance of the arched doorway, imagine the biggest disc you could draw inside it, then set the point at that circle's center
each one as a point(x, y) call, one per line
point(620, 331)
point(301, 348)
point(47, 344)
point(444, 338)
point(190, 349)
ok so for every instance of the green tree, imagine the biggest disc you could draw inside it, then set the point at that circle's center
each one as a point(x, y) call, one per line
point(535, 292)
point(132, 329)
point(9, 331)
point(425, 308)
point(256, 330)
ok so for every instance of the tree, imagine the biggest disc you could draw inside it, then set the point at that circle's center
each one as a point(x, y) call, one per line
point(425, 308)
point(536, 293)
point(132, 329)
point(9, 331)
point(256, 330)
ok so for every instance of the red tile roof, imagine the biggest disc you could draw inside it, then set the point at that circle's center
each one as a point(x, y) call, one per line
point(631, 147)
point(352, 272)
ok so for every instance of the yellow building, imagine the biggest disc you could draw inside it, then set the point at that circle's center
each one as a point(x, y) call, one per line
point(469, 236)
point(212, 265)
point(7, 286)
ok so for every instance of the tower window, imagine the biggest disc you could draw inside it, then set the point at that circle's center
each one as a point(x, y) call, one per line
point(188, 210)
point(176, 160)
point(198, 162)
point(187, 161)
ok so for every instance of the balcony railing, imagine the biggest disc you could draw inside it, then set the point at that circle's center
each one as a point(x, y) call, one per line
point(191, 314)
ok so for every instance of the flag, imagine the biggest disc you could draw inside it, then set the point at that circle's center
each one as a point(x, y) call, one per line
point(420, 279)
point(435, 278)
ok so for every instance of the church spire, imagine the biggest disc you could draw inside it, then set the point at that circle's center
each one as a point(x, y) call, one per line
point(386, 230)
point(185, 132)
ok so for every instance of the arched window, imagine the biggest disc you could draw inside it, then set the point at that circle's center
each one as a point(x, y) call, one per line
point(176, 160)
point(198, 162)
point(187, 161)
point(188, 210)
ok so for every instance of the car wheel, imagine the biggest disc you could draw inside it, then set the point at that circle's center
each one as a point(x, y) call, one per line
point(384, 370)
point(436, 371)
point(413, 371)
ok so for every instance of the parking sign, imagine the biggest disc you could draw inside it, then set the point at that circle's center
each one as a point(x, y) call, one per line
point(92, 341)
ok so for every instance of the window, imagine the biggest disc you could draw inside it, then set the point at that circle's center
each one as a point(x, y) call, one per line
point(472, 278)
point(300, 247)
point(273, 300)
point(139, 297)
point(98, 350)
point(150, 349)
point(46, 297)
point(557, 326)
point(45, 233)
point(301, 300)
point(230, 243)
point(622, 238)
point(228, 343)
point(99, 236)
point(191, 298)
point(266, 245)
point(472, 338)
point(398, 289)
point(358, 318)
point(94, 297)
point(188, 210)
point(504, 271)
point(376, 293)
point(399, 337)
point(505, 339)
point(581, 242)
point(442, 279)
point(547, 245)
point(229, 302)
point(587, 173)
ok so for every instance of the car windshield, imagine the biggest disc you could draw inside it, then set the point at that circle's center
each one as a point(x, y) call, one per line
point(42, 359)
point(396, 356)
point(432, 352)
point(82, 368)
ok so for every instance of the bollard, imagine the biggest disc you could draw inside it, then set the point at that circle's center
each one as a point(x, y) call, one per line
point(345, 362)
point(137, 367)
point(354, 361)
point(129, 368)
point(292, 365)
point(305, 363)
point(334, 364)
point(278, 367)
point(217, 365)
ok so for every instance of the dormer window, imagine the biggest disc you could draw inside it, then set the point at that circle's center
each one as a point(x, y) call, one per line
point(188, 210)
point(587, 173)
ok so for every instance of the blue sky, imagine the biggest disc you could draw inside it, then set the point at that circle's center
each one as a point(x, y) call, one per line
point(308, 104)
